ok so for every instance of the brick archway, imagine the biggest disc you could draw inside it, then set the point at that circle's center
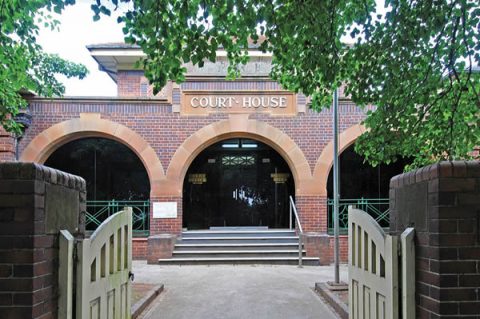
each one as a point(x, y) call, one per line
point(236, 126)
point(91, 125)
point(325, 161)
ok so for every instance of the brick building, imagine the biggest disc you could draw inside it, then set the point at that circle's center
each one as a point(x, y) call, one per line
point(205, 117)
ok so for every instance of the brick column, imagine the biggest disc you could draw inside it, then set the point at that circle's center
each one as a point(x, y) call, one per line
point(442, 202)
point(313, 212)
point(166, 225)
point(7, 146)
point(35, 203)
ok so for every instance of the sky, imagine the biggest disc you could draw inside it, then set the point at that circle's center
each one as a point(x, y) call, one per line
point(77, 30)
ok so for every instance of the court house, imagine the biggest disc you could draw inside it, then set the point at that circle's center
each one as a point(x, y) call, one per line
point(205, 154)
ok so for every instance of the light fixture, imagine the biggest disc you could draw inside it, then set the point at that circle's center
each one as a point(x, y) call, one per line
point(230, 145)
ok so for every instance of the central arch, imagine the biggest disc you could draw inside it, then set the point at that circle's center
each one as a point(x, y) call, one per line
point(238, 126)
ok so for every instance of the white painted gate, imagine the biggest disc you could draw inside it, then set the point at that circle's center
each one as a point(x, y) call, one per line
point(373, 270)
point(104, 264)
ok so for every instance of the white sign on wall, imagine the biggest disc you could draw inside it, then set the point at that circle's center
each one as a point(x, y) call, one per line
point(165, 210)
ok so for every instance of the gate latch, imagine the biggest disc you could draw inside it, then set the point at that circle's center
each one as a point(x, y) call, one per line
point(131, 276)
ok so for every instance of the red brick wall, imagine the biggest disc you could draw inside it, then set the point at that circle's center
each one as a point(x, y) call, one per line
point(166, 131)
point(313, 215)
point(343, 249)
point(7, 146)
point(321, 245)
point(129, 83)
point(139, 248)
point(446, 217)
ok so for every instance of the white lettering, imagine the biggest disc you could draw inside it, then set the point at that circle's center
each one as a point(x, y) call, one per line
point(204, 102)
point(194, 102)
point(274, 101)
point(221, 101)
point(247, 101)
point(265, 101)
point(211, 101)
point(256, 102)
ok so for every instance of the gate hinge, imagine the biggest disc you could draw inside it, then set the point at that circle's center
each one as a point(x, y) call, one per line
point(399, 248)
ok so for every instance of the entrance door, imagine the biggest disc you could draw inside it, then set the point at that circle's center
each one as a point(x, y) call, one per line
point(243, 202)
point(236, 183)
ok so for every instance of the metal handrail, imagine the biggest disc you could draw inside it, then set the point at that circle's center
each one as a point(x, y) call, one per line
point(293, 209)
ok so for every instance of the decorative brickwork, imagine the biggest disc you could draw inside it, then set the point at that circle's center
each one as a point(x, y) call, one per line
point(30, 197)
point(442, 203)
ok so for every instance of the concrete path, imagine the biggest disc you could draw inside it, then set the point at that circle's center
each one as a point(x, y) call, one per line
point(236, 292)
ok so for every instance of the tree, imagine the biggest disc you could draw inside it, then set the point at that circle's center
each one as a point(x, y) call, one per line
point(413, 60)
point(24, 67)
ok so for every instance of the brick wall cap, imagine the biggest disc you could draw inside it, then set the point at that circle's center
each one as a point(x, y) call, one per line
point(102, 100)
point(444, 169)
point(162, 236)
point(34, 171)
point(315, 234)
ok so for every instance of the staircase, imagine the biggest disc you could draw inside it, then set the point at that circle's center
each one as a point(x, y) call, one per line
point(237, 245)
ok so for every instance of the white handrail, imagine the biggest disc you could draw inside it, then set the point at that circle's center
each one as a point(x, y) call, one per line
point(293, 209)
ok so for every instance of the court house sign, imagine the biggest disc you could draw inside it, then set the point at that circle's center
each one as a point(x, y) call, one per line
point(204, 103)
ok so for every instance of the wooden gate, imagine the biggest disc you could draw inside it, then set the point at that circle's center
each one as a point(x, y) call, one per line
point(374, 270)
point(104, 264)
point(104, 268)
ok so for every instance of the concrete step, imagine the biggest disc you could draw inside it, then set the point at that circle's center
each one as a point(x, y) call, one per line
point(235, 253)
point(230, 228)
point(308, 261)
point(239, 240)
point(237, 234)
point(236, 246)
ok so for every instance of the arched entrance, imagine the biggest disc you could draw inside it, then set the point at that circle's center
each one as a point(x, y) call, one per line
point(111, 170)
point(363, 186)
point(359, 179)
point(115, 178)
point(237, 182)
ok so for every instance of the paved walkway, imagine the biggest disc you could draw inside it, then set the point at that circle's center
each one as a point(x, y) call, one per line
point(236, 292)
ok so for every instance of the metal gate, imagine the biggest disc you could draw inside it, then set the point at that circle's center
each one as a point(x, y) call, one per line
point(103, 270)
point(373, 270)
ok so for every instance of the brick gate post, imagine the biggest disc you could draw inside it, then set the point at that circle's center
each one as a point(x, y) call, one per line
point(35, 203)
point(442, 202)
